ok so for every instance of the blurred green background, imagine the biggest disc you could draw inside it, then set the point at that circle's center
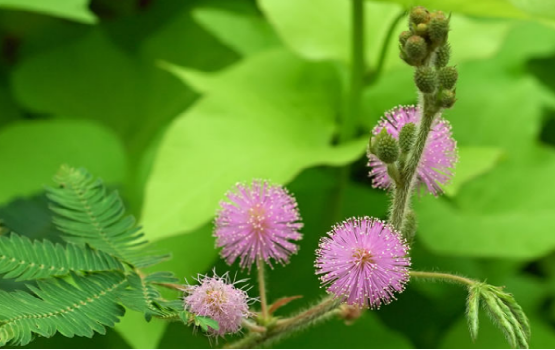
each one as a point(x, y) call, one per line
point(173, 101)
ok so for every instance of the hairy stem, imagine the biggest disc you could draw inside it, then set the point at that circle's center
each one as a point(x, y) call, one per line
point(262, 290)
point(351, 116)
point(403, 192)
point(447, 277)
point(319, 312)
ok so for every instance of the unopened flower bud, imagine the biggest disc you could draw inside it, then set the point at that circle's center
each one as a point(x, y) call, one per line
point(416, 49)
point(447, 77)
point(387, 148)
point(425, 79)
point(404, 36)
point(407, 135)
point(438, 27)
point(447, 98)
point(419, 15)
point(421, 29)
point(443, 55)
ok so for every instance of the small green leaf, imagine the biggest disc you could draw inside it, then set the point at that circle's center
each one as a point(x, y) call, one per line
point(205, 322)
point(472, 310)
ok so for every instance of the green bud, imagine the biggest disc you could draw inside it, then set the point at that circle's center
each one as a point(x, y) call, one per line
point(386, 147)
point(447, 77)
point(447, 98)
point(443, 55)
point(419, 15)
point(409, 226)
point(404, 36)
point(425, 79)
point(404, 57)
point(407, 136)
point(421, 29)
point(416, 49)
point(438, 28)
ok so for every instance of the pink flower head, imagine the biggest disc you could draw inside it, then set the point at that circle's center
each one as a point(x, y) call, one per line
point(363, 262)
point(439, 157)
point(258, 223)
point(220, 300)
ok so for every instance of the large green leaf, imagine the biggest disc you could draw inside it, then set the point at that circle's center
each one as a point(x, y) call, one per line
point(9, 110)
point(76, 10)
point(92, 78)
point(485, 8)
point(304, 25)
point(473, 162)
point(246, 33)
point(192, 253)
point(30, 152)
point(139, 333)
point(366, 332)
point(269, 117)
point(504, 213)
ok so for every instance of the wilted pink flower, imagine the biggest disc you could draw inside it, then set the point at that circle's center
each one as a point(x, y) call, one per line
point(363, 262)
point(218, 298)
point(439, 157)
point(258, 224)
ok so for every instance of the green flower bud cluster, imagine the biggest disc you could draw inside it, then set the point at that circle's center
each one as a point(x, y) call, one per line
point(425, 47)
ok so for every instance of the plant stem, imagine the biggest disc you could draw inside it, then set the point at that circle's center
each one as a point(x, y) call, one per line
point(252, 327)
point(287, 326)
point(447, 277)
point(262, 289)
point(356, 76)
point(351, 115)
point(403, 192)
point(375, 74)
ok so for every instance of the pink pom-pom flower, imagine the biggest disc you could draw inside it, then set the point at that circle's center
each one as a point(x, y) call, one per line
point(257, 224)
point(218, 298)
point(363, 262)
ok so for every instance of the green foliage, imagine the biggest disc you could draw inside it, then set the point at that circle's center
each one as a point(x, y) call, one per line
point(503, 310)
point(257, 101)
point(143, 296)
point(87, 214)
point(25, 260)
point(269, 80)
point(55, 142)
point(86, 306)
point(76, 10)
point(101, 238)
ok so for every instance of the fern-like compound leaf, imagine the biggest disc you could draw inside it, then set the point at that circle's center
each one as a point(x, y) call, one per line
point(22, 259)
point(83, 307)
point(143, 295)
point(88, 214)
